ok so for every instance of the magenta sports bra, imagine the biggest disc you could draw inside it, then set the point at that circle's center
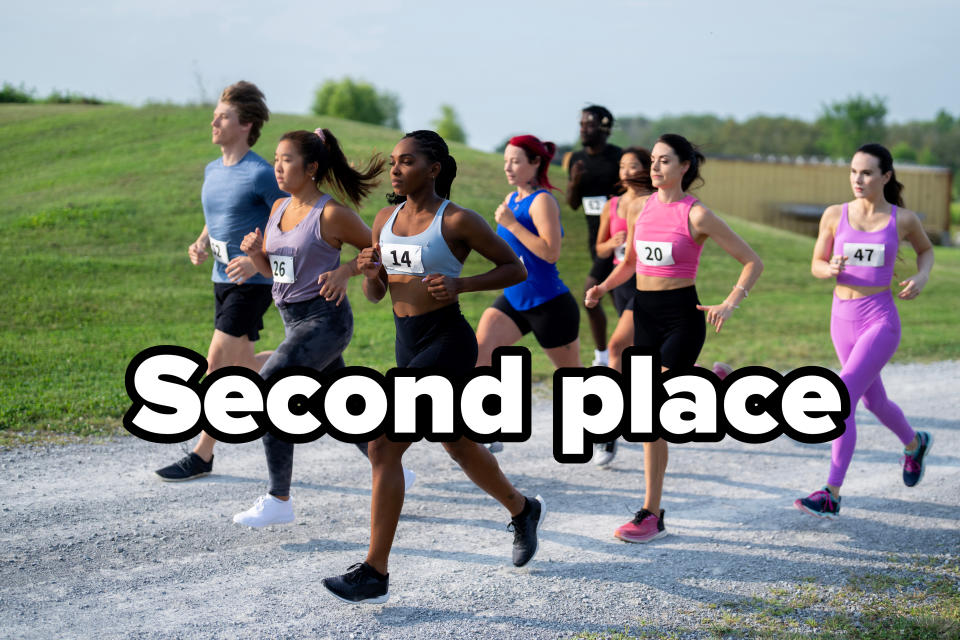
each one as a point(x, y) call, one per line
point(870, 254)
point(617, 224)
point(661, 238)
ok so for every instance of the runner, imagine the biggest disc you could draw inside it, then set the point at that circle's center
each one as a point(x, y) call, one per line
point(422, 244)
point(667, 239)
point(593, 178)
point(612, 241)
point(238, 191)
point(858, 245)
point(300, 247)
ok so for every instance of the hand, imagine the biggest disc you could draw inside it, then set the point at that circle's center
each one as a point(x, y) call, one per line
point(717, 314)
point(837, 264)
point(368, 262)
point(593, 296)
point(912, 287)
point(442, 288)
point(577, 169)
point(197, 252)
point(252, 242)
point(504, 216)
point(241, 269)
point(618, 239)
point(333, 284)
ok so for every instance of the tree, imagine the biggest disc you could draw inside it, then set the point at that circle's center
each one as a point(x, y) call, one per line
point(847, 125)
point(358, 101)
point(448, 125)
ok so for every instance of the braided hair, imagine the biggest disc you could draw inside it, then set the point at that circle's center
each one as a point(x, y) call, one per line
point(433, 146)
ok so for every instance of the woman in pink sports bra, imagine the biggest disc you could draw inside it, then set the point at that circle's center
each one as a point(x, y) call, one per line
point(667, 236)
point(858, 245)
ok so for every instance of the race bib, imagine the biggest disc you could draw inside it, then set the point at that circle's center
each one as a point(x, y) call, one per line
point(620, 252)
point(219, 250)
point(282, 268)
point(593, 205)
point(655, 254)
point(402, 258)
point(863, 254)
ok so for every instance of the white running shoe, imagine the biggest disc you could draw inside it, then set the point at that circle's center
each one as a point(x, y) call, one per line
point(494, 447)
point(409, 477)
point(601, 358)
point(266, 511)
point(604, 453)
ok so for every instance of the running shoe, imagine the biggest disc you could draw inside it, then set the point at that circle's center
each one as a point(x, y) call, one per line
point(819, 503)
point(604, 453)
point(601, 358)
point(525, 529)
point(409, 477)
point(186, 468)
point(913, 463)
point(644, 527)
point(266, 510)
point(722, 369)
point(361, 584)
point(494, 447)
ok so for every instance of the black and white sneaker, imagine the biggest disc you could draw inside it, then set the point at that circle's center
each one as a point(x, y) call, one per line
point(604, 453)
point(186, 468)
point(525, 528)
point(361, 584)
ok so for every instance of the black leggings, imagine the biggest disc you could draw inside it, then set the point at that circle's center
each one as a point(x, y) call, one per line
point(442, 340)
point(669, 323)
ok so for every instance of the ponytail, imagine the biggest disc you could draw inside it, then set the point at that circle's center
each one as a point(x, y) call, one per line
point(893, 190)
point(323, 148)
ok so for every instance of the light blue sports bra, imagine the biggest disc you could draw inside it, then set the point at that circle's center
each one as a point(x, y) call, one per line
point(418, 255)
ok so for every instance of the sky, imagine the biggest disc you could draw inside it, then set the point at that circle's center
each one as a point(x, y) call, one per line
point(506, 67)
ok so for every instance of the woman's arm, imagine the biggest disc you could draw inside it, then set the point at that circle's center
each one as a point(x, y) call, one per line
point(369, 263)
point(824, 264)
point(545, 213)
point(606, 244)
point(704, 222)
point(924, 248)
point(622, 272)
point(340, 225)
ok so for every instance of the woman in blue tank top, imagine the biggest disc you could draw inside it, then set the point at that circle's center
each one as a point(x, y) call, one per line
point(419, 249)
point(529, 220)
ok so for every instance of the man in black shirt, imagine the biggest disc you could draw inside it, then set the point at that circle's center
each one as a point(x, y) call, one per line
point(594, 172)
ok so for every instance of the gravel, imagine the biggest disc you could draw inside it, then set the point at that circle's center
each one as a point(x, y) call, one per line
point(92, 545)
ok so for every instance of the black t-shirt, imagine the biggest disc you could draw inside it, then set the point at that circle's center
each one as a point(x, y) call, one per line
point(600, 172)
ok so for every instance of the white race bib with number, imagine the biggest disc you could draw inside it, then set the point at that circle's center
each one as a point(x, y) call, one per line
point(402, 258)
point(282, 268)
point(593, 205)
point(863, 254)
point(655, 254)
point(219, 250)
point(620, 252)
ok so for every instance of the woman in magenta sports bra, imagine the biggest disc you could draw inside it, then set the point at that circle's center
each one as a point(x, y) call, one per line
point(667, 236)
point(858, 244)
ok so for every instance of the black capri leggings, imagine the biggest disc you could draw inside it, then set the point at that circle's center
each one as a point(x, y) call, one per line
point(669, 322)
point(440, 339)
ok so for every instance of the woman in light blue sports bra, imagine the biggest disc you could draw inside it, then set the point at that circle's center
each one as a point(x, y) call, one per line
point(419, 249)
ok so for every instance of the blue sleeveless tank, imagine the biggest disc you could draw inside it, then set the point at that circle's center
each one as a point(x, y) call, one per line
point(543, 281)
point(421, 254)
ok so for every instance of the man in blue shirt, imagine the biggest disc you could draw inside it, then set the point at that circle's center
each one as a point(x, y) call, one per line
point(239, 190)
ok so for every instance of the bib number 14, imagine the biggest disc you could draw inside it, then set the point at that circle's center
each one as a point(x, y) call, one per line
point(402, 258)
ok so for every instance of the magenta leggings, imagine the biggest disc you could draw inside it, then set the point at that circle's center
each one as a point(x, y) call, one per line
point(865, 333)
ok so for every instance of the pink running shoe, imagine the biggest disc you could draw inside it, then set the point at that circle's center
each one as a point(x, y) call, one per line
point(643, 528)
point(722, 369)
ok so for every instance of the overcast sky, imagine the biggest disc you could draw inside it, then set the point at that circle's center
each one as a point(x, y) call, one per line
point(506, 67)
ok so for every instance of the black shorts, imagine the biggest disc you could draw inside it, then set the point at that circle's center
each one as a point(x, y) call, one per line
point(554, 323)
point(624, 294)
point(441, 339)
point(240, 307)
point(669, 323)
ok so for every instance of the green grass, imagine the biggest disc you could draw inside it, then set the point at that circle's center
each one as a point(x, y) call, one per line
point(99, 203)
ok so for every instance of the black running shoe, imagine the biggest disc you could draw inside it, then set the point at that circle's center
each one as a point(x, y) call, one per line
point(186, 468)
point(914, 463)
point(361, 584)
point(525, 527)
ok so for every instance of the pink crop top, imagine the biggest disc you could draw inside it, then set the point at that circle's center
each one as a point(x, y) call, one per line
point(870, 254)
point(661, 237)
point(617, 224)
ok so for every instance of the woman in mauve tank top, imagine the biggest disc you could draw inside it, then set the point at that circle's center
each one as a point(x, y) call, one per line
point(666, 238)
point(858, 245)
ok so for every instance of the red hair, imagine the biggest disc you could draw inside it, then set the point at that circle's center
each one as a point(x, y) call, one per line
point(534, 148)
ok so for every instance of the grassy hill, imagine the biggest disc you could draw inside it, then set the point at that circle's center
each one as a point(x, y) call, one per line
point(99, 203)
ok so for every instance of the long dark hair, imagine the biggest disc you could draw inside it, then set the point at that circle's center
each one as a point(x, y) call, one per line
point(433, 146)
point(893, 190)
point(686, 152)
point(332, 165)
point(643, 181)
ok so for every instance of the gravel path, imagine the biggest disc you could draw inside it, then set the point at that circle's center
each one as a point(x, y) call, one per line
point(92, 545)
